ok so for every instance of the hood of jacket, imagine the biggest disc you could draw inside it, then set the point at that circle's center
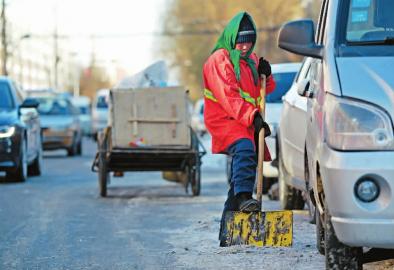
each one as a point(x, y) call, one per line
point(227, 41)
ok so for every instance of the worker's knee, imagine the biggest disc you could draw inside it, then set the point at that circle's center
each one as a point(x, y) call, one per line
point(244, 147)
point(243, 154)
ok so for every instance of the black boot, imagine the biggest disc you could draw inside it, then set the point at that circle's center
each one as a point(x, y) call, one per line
point(246, 203)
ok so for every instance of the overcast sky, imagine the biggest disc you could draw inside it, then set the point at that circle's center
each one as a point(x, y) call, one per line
point(82, 18)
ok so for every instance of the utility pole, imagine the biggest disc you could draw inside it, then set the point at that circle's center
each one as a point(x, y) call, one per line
point(75, 74)
point(56, 50)
point(4, 38)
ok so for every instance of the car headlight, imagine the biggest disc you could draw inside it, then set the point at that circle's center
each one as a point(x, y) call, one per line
point(6, 132)
point(354, 125)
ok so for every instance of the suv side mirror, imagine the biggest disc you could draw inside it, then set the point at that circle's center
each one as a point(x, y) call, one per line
point(30, 103)
point(303, 87)
point(298, 37)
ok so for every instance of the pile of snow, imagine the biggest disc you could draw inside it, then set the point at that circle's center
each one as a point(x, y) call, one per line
point(155, 75)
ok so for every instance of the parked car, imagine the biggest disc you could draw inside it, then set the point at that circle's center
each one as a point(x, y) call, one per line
point(350, 137)
point(20, 133)
point(284, 74)
point(82, 103)
point(60, 124)
point(197, 121)
point(291, 144)
point(100, 111)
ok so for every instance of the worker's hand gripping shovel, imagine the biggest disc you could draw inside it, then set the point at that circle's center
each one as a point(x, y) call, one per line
point(266, 228)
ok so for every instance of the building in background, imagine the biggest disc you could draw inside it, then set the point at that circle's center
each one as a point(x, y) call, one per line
point(31, 60)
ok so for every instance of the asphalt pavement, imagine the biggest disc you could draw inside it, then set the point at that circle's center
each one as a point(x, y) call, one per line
point(58, 221)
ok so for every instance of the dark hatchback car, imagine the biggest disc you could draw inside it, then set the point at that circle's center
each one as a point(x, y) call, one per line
point(20, 133)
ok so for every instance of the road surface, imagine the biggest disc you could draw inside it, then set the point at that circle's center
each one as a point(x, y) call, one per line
point(58, 221)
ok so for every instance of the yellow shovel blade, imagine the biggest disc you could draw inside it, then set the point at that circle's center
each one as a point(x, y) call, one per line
point(272, 228)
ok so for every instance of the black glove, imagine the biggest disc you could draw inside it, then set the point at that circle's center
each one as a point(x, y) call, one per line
point(259, 123)
point(264, 67)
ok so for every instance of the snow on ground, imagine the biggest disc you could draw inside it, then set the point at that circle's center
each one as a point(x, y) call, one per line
point(210, 161)
point(196, 246)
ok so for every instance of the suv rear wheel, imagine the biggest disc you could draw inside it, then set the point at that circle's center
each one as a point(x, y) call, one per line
point(309, 193)
point(290, 198)
point(73, 149)
point(36, 167)
point(79, 147)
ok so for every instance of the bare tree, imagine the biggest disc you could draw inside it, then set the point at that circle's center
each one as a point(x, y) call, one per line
point(193, 27)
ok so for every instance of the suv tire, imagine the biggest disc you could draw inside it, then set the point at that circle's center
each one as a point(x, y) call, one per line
point(290, 198)
point(319, 233)
point(339, 255)
point(36, 167)
point(73, 149)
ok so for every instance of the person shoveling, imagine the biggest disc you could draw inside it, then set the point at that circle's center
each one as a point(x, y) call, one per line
point(234, 95)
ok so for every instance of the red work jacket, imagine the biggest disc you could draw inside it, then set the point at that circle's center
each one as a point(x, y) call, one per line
point(229, 105)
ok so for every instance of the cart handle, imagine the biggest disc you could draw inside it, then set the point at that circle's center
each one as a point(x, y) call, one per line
point(199, 143)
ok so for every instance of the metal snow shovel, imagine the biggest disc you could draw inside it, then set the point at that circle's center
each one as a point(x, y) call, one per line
point(266, 228)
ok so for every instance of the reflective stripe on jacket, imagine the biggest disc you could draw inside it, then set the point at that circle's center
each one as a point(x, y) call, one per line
point(245, 95)
point(230, 105)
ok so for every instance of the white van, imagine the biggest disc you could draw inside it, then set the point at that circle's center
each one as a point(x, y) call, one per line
point(100, 111)
point(83, 104)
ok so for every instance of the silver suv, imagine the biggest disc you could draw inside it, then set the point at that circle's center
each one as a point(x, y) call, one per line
point(350, 136)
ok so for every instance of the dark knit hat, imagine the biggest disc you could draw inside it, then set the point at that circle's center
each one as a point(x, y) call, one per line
point(246, 31)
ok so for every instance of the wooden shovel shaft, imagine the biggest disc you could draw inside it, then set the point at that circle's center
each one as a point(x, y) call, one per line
point(259, 193)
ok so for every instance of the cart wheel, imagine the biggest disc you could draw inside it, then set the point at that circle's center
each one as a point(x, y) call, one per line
point(103, 175)
point(196, 183)
point(196, 178)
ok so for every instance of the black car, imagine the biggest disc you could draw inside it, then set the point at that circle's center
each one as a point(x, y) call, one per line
point(20, 133)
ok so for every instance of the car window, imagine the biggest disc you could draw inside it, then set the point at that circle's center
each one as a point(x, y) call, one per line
point(84, 110)
point(283, 83)
point(370, 20)
point(52, 106)
point(102, 102)
point(6, 99)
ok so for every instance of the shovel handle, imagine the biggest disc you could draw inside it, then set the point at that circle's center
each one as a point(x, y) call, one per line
point(259, 193)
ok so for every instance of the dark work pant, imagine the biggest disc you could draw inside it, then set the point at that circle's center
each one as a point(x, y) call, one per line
point(243, 166)
point(242, 173)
